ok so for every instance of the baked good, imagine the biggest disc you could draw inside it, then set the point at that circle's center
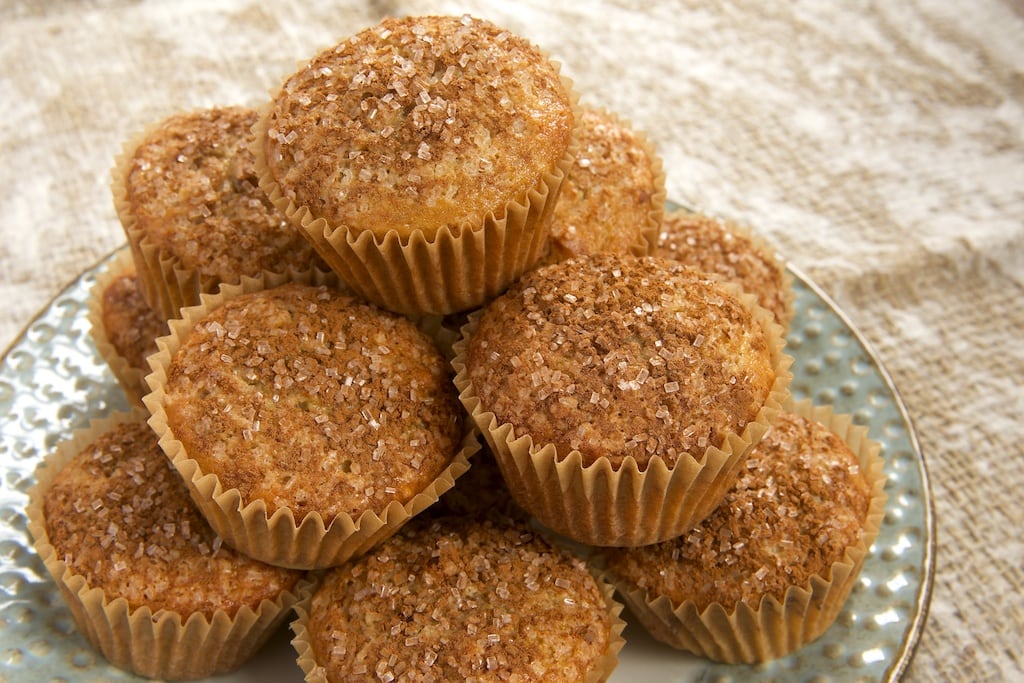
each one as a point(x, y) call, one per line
point(621, 394)
point(731, 251)
point(148, 582)
point(309, 424)
point(771, 567)
point(422, 156)
point(123, 326)
point(460, 599)
point(614, 198)
point(187, 194)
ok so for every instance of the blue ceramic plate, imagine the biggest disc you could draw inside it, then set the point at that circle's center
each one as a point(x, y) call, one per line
point(52, 381)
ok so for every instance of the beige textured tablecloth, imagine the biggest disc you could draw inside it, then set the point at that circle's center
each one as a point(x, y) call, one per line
point(879, 145)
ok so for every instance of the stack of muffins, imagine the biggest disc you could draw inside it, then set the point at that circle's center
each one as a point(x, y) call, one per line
point(421, 257)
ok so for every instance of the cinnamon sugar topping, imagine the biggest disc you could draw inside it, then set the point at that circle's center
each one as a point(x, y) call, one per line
point(128, 321)
point(613, 198)
point(457, 599)
point(729, 251)
point(119, 515)
point(417, 123)
point(193, 192)
point(621, 356)
point(293, 395)
point(799, 503)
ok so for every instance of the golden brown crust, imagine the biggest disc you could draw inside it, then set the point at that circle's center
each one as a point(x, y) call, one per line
point(461, 600)
point(613, 199)
point(798, 505)
point(130, 324)
point(119, 515)
point(312, 400)
point(729, 251)
point(619, 356)
point(193, 192)
point(418, 123)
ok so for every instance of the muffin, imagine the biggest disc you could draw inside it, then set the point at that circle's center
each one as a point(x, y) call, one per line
point(770, 568)
point(188, 197)
point(614, 198)
point(621, 394)
point(308, 423)
point(422, 156)
point(730, 251)
point(123, 326)
point(147, 580)
point(448, 600)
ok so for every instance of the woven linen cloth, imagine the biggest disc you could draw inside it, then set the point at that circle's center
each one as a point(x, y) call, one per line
point(879, 146)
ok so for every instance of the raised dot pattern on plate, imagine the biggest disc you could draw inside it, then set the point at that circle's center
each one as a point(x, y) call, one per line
point(52, 381)
point(872, 635)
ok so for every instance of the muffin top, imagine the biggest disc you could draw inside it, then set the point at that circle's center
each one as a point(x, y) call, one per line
point(129, 323)
point(621, 356)
point(418, 123)
point(613, 199)
point(798, 505)
point(458, 599)
point(119, 514)
point(718, 247)
point(192, 190)
point(312, 400)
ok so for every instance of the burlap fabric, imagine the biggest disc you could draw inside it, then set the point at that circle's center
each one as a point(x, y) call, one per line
point(879, 145)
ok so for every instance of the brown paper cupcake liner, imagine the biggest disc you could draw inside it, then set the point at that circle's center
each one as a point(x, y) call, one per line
point(603, 668)
point(604, 505)
point(457, 269)
point(154, 644)
point(166, 286)
point(131, 378)
point(277, 537)
point(773, 628)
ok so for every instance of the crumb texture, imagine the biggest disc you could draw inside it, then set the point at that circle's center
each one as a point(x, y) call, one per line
point(798, 505)
point(119, 515)
point(312, 400)
point(620, 356)
point(416, 124)
point(460, 600)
